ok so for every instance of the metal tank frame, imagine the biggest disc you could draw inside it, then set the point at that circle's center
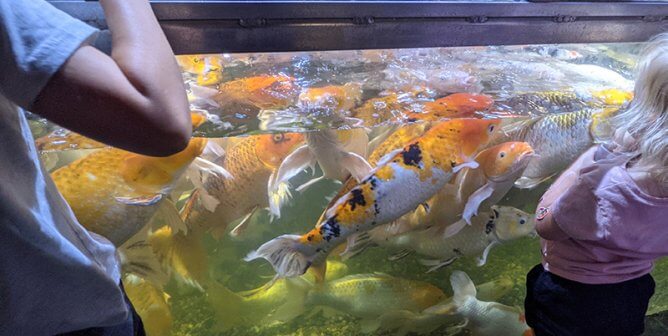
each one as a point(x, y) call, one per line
point(194, 27)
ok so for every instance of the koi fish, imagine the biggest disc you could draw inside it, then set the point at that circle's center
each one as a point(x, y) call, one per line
point(471, 189)
point(151, 303)
point(558, 139)
point(325, 148)
point(483, 318)
point(208, 69)
point(115, 193)
point(500, 225)
point(220, 199)
point(335, 97)
point(259, 306)
point(403, 180)
point(365, 296)
point(564, 101)
point(402, 322)
point(261, 92)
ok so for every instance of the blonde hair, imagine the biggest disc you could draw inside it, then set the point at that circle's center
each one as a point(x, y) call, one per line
point(646, 119)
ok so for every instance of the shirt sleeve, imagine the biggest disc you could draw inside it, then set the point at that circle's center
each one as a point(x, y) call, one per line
point(36, 39)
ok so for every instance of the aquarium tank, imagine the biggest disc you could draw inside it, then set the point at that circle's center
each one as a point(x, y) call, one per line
point(283, 150)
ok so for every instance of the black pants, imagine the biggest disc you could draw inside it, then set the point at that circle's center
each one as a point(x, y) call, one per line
point(133, 326)
point(560, 307)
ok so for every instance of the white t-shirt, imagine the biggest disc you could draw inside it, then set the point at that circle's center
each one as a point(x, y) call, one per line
point(55, 276)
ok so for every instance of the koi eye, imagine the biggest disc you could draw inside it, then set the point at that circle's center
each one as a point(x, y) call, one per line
point(278, 137)
point(522, 221)
point(196, 60)
point(502, 155)
point(491, 128)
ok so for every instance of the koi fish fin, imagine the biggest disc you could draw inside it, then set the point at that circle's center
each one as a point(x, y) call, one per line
point(470, 165)
point(298, 160)
point(454, 228)
point(278, 197)
point(530, 182)
point(369, 326)
point(199, 173)
point(388, 157)
point(207, 167)
point(243, 225)
point(229, 308)
point(286, 254)
point(167, 214)
point(358, 142)
point(213, 152)
point(182, 254)
point(398, 322)
point(384, 133)
point(482, 260)
point(141, 200)
point(437, 264)
point(319, 272)
point(357, 243)
point(517, 131)
point(446, 308)
point(203, 95)
point(137, 257)
point(462, 287)
point(397, 227)
point(309, 184)
point(400, 255)
point(356, 165)
point(474, 201)
point(297, 291)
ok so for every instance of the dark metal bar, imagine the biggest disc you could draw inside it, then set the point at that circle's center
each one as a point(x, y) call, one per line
point(251, 26)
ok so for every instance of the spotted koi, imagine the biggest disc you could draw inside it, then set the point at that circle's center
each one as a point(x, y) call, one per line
point(403, 179)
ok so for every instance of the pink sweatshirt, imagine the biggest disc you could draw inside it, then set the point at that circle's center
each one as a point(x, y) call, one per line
point(615, 230)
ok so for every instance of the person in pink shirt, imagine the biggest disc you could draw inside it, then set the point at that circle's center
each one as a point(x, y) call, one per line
point(604, 221)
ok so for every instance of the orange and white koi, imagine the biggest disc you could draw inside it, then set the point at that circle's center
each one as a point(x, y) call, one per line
point(403, 180)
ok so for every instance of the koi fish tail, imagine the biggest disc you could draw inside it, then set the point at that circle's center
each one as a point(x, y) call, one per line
point(287, 255)
point(297, 293)
point(183, 255)
point(137, 258)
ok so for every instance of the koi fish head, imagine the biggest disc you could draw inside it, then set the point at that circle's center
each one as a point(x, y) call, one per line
point(474, 133)
point(511, 223)
point(505, 159)
point(272, 149)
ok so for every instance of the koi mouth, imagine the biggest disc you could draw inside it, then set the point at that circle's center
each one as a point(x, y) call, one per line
point(519, 165)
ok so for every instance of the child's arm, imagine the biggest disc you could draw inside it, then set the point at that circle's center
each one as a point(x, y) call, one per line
point(134, 99)
point(546, 225)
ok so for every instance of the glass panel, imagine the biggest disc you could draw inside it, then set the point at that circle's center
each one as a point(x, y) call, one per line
point(274, 122)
